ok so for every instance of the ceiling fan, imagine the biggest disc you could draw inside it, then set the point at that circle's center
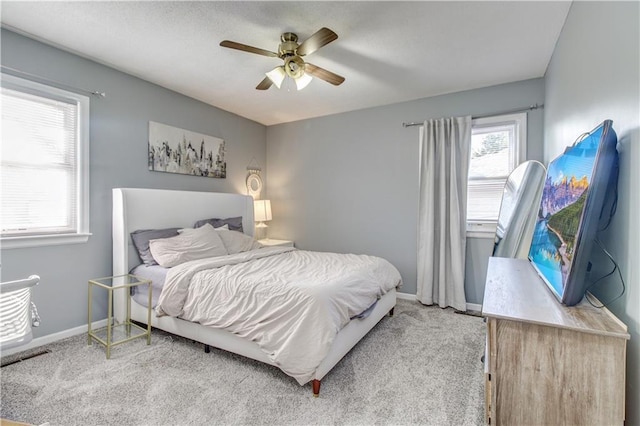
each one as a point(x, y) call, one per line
point(294, 66)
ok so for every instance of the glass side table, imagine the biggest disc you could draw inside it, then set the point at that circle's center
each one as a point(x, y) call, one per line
point(114, 334)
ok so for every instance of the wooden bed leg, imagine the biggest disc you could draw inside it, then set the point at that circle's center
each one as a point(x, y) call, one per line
point(391, 311)
point(316, 387)
point(207, 349)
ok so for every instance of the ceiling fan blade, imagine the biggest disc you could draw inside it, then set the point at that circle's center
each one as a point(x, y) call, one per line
point(321, 38)
point(264, 84)
point(323, 74)
point(245, 48)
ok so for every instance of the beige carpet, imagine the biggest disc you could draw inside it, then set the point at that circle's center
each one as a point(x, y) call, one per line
point(421, 366)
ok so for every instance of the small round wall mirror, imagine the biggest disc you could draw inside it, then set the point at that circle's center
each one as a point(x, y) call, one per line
point(254, 185)
point(520, 203)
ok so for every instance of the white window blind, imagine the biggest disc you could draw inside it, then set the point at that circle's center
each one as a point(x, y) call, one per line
point(498, 145)
point(43, 176)
point(483, 200)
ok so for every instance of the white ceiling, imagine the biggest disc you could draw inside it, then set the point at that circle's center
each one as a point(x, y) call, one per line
point(388, 52)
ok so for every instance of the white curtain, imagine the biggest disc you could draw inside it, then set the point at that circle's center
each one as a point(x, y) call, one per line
point(445, 146)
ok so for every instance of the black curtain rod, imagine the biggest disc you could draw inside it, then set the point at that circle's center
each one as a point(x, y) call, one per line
point(511, 111)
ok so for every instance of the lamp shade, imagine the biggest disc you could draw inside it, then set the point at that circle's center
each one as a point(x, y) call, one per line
point(262, 210)
point(303, 81)
point(276, 76)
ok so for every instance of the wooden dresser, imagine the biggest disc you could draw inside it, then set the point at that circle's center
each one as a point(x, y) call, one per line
point(545, 363)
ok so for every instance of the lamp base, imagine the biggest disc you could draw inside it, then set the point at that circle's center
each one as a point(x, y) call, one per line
point(260, 231)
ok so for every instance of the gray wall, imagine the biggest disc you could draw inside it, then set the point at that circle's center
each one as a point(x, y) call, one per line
point(349, 182)
point(119, 130)
point(594, 75)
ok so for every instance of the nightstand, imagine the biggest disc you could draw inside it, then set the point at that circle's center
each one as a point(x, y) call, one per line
point(114, 334)
point(276, 243)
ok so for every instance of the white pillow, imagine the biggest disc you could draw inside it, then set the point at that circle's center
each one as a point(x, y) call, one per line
point(237, 242)
point(191, 244)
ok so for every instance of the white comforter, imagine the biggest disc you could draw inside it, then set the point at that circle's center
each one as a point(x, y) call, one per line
point(292, 303)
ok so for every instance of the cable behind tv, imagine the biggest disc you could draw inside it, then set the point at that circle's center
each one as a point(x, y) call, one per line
point(615, 267)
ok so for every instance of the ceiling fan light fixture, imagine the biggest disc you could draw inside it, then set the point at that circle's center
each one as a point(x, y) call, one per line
point(291, 52)
point(277, 76)
point(294, 66)
point(303, 81)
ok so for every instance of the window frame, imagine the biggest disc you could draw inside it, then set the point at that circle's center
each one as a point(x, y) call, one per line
point(517, 154)
point(82, 230)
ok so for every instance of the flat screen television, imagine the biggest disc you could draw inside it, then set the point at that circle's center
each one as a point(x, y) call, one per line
point(577, 189)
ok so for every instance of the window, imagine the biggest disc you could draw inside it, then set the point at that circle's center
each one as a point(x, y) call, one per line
point(498, 145)
point(44, 165)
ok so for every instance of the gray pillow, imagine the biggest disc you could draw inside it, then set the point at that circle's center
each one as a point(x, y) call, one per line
point(235, 223)
point(141, 240)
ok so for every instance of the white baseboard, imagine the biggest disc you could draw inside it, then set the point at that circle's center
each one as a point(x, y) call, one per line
point(470, 306)
point(45, 340)
point(474, 307)
point(406, 296)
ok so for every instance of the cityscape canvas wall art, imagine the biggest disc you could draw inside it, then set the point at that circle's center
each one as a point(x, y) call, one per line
point(175, 150)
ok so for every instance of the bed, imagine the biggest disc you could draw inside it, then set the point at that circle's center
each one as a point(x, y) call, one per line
point(136, 208)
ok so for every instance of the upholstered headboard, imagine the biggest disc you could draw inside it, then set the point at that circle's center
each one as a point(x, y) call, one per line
point(139, 208)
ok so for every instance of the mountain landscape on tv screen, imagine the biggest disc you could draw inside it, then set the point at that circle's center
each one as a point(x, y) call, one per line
point(563, 203)
point(579, 186)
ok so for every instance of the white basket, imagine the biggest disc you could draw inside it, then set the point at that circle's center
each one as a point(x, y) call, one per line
point(17, 314)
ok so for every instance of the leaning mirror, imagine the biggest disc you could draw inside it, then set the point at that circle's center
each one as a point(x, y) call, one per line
point(520, 201)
